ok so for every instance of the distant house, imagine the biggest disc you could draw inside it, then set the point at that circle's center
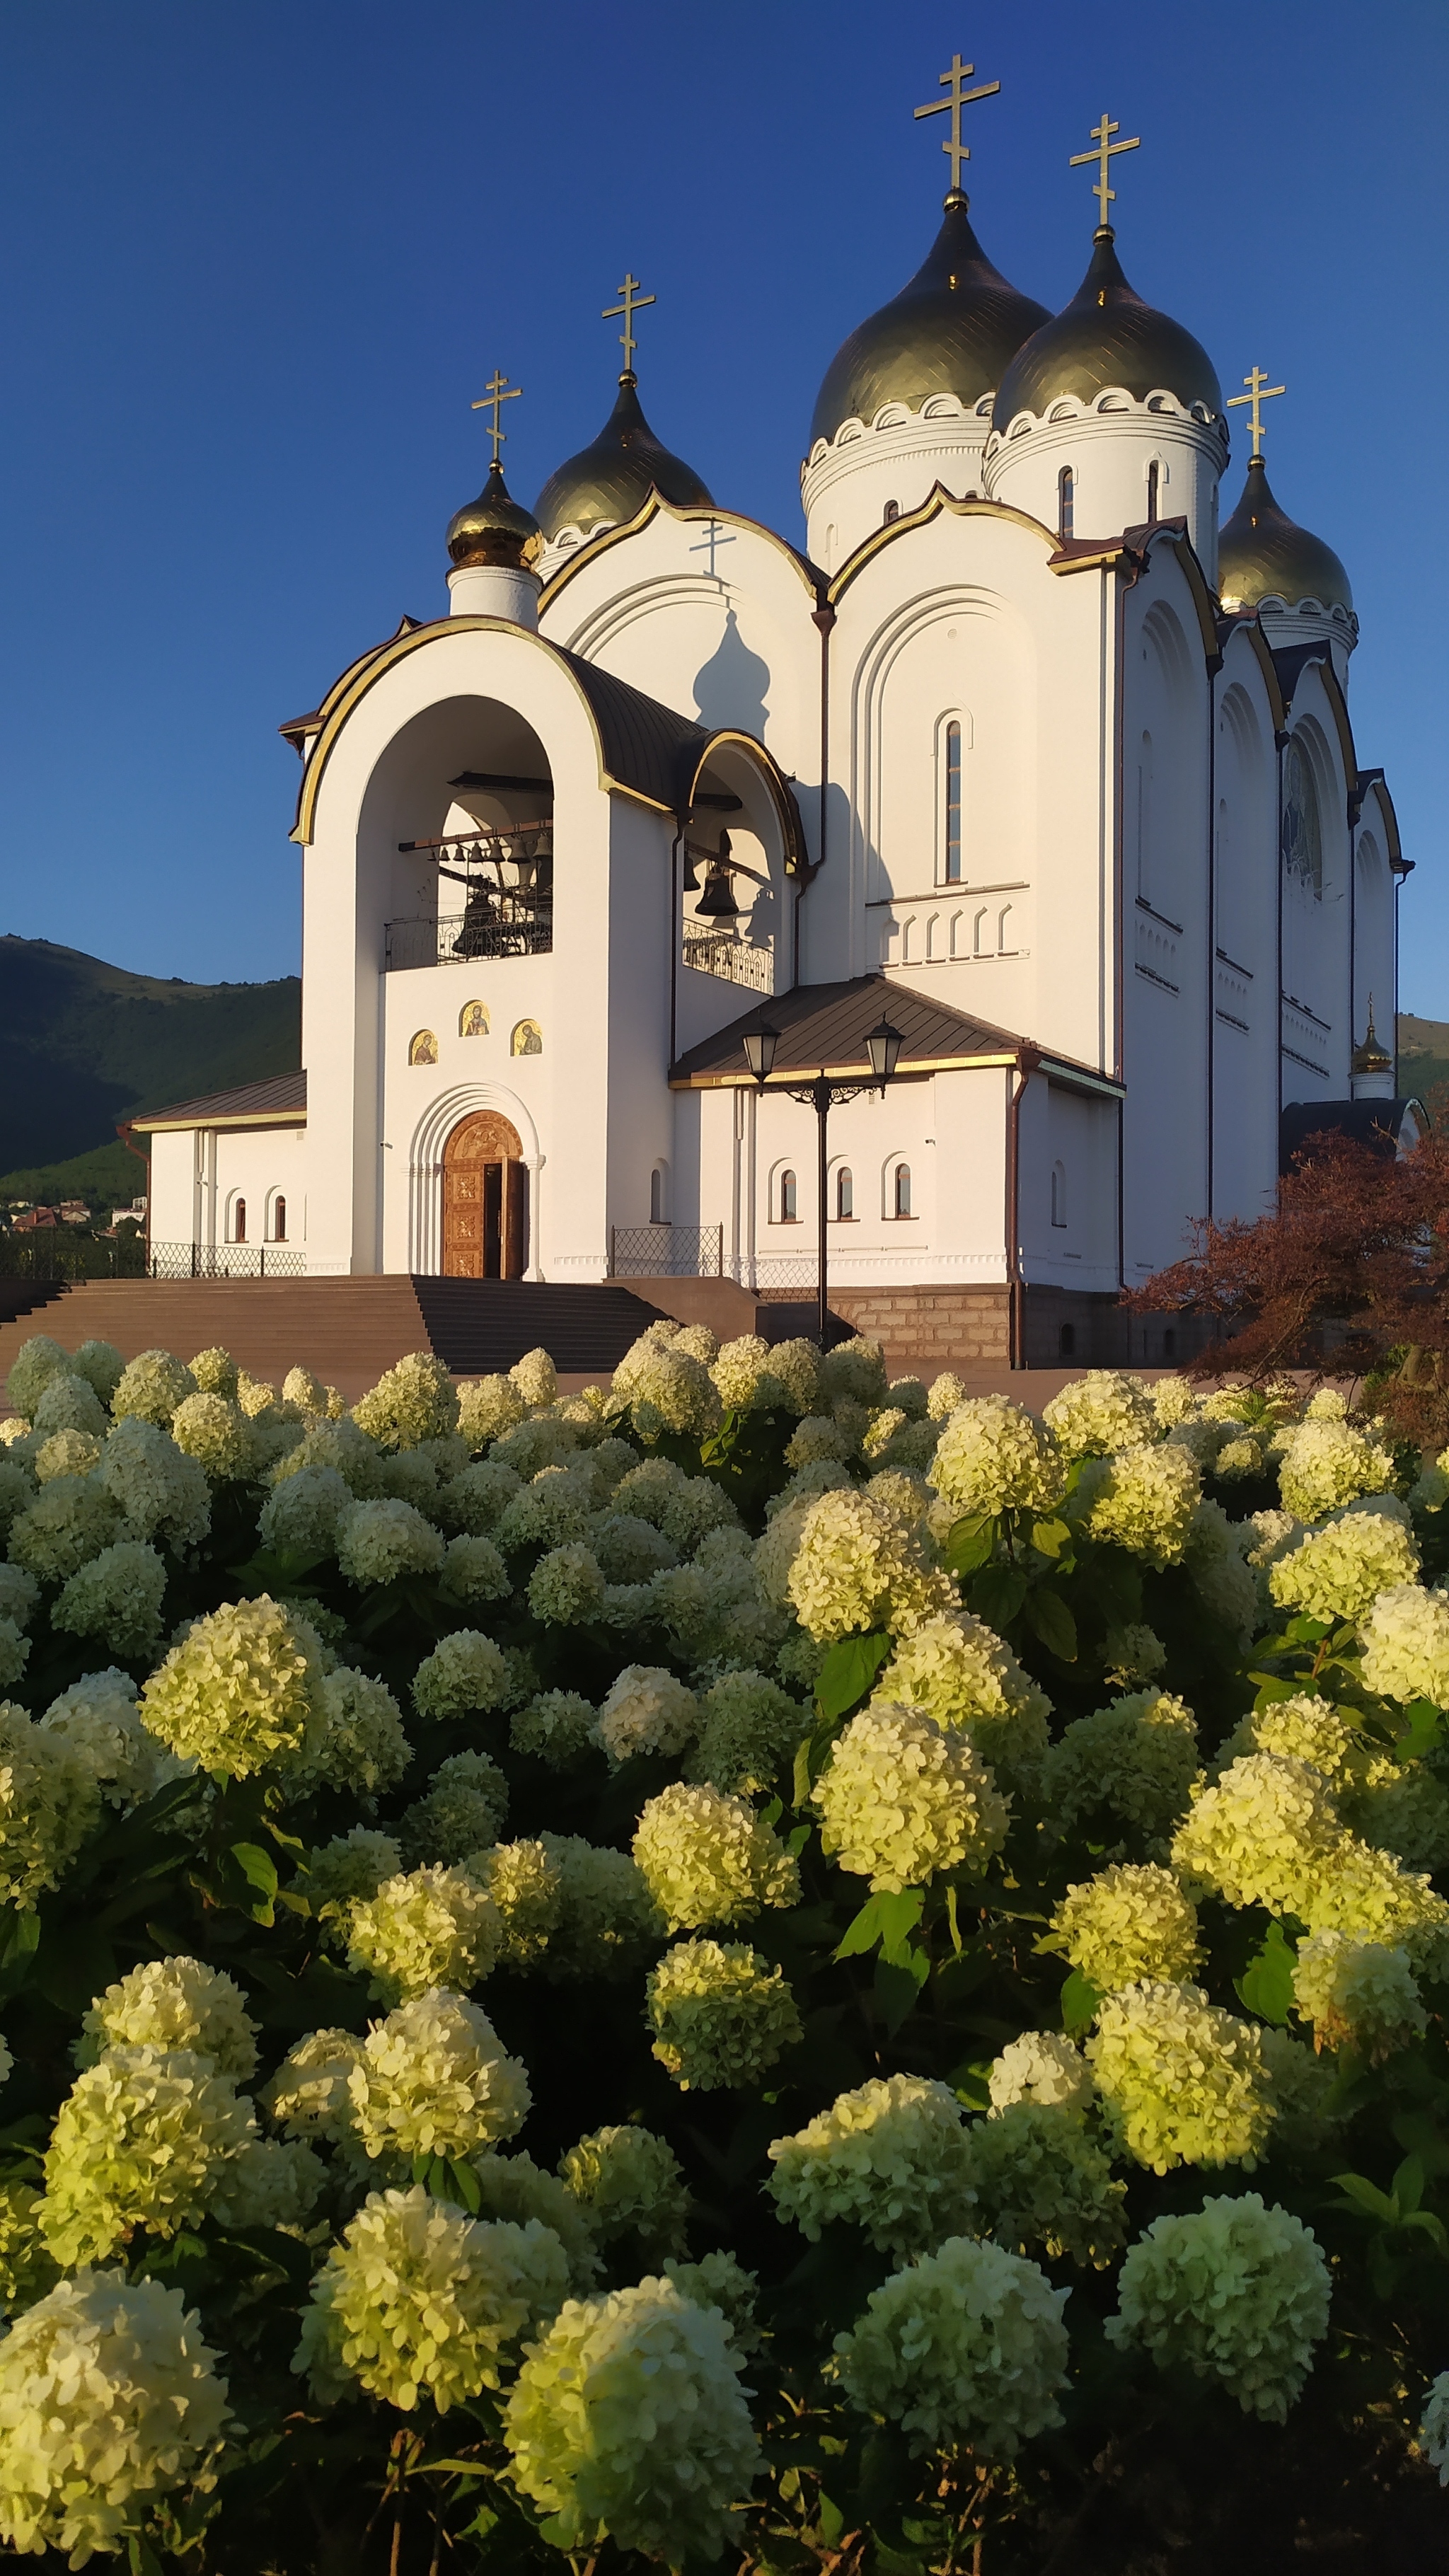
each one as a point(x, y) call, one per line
point(30, 1218)
point(74, 1212)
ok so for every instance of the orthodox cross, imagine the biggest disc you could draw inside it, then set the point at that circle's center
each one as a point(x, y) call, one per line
point(1259, 392)
point(958, 99)
point(499, 391)
point(1102, 137)
point(713, 537)
point(632, 303)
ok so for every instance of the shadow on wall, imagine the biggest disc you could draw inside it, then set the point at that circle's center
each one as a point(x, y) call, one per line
point(729, 689)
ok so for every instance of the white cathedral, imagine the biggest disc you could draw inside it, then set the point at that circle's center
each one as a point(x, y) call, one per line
point(1022, 754)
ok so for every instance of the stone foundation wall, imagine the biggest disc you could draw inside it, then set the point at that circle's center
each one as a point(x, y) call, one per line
point(934, 1328)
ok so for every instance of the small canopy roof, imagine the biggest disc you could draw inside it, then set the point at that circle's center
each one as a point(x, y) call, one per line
point(823, 1028)
point(279, 1101)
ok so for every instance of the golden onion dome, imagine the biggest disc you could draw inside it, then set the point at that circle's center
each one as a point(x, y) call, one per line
point(494, 529)
point(609, 482)
point(1107, 340)
point(1262, 554)
point(1370, 1055)
point(953, 329)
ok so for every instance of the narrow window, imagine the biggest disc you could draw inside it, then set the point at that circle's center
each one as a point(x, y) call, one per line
point(1067, 1341)
point(1169, 1343)
point(239, 1222)
point(890, 514)
point(1153, 472)
point(1059, 1194)
point(656, 1197)
point(953, 804)
point(902, 1189)
point(1066, 502)
point(787, 1198)
point(279, 1221)
point(844, 1194)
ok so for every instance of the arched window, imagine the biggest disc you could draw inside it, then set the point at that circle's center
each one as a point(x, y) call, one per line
point(239, 1221)
point(527, 1039)
point(424, 1048)
point(953, 803)
point(659, 1196)
point(1154, 471)
point(1059, 1194)
point(788, 1212)
point(1066, 502)
point(890, 514)
point(844, 1194)
point(1302, 832)
point(473, 1020)
point(1067, 1342)
point(279, 1219)
point(901, 1190)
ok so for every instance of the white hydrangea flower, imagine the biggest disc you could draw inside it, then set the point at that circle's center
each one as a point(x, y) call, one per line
point(1134, 1761)
point(49, 1803)
point(1183, 2081)
point(302, 1512)
point(66, 1453)
point(526, 1884)
point(627, 2419)
point(1143, 1499)
point(557, 1726)
point(1041, 2066)
point(994, 1456)
point(1303, 1728)
point(19, 1593)
point(628, 1549)
point(1358, 1994)
point(109, 2403)
point(1237, 2291)
point(1404, 1809)
point(531, 1446)
point(352, 1864)
point(116, 1597)
point(1406, 1644)
point(36, 1362)
point(902, 1800)
point(963, 1674)
point(273, 2182)
point(416, 2300)
point(70, 1521)
point(966, 2346)
point(1261, 1833)
point(607, 1919)
point(150, 1387)
point(1174, 1401)
point(140, 2140)
point(1133, 1653)
point(707, 1858)
point(647, 1711)
point(216, 1433)
point(535, 1377)
point(487, 1408)
point(1105, 1411)
point(68, 1402)
point(750, 1732)
point(14, 1653)
point(629, 2184)
point(1044, 2182)
point(685, 1508)
point(721, 2015)
point(173, 2003)
point(340, 1446)
point(1325, 1462)
point(413, 1401)
point(566, 1587)
point(378, 1541)
point(472, 1503)
point(717, 2280)
point(1337, 1572)
point(308, 2096)
point(354, 1739)
point(1359, 1889)
point(162, 1493)
point(1434, 2428)
point(816, 1441)
point(435, 2080)
point(1223, 1582)
point(514, 2187)
point(856, 1567)
point(464, 1809)
point(1126, 1925)
point(425, 1929)
point(664, 1387)
point(464, 1673)
point(238, 1690)
point(893, 2157)
point(98, 1721)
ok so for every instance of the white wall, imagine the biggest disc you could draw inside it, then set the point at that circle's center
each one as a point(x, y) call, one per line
point(1110, 451)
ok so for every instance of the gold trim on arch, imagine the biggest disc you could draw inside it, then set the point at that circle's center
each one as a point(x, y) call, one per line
point(791, 826)
point(1249, 628)
point(655, 506)
point(937, 500)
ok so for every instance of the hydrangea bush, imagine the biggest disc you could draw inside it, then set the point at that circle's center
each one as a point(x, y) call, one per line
point(759, 1966)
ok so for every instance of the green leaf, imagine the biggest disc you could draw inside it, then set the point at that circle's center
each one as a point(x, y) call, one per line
point(1424, 1731)
point(1050, 1537)
point(969, 1543)
point(260, 1872)
point(900, 1912)
point(997, 1594)
point(1266, 1984)
point(952, 1923)
point(863, 1932)
point(1432, 2227)
point(897, 1984)
point(848, 1672)
point(1079, 2001)
point(1366, 2198)
point(467, 2190)
point(1047, 1614)
point(1408, 2184)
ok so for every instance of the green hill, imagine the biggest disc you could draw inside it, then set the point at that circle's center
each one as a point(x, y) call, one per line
point(1423, 1055)
point(83, 1045)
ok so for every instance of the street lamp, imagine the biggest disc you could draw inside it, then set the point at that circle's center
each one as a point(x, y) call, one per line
point(883, 1047)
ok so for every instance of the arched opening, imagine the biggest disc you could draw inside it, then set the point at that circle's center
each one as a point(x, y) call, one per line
point(901, 1190)
point(659, 1195)
point(1154, 472)
point(1059, 1193)
point(1067, 1342)
point(953, 803)
point(1302, 830)
point(279, 1219)
point(890, 514)
point(485, 1200)
point(844, 1195)
point(1066, 502)
point(788, 1212)
point(239, 1221)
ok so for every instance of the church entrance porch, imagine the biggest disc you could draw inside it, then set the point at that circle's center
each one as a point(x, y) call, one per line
point(485, 1200)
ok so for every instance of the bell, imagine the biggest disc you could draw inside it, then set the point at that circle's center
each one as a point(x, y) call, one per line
point(717, 903)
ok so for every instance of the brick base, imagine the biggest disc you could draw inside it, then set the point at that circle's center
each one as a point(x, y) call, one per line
point(925, 1329)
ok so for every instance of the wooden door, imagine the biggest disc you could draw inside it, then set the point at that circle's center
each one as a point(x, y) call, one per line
point(479, 1194)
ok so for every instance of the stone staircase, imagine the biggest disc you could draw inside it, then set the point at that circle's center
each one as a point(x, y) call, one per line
point(347, 1330)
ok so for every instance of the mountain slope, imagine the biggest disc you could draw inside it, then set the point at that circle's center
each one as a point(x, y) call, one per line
point(1423, 1055)
point(83, 1044)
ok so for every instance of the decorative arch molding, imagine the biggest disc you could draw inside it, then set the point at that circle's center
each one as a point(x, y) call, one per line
point(1163, 635)
point(1240, 721)
point(425, 1167)
point(938, 503)
point(656, 507)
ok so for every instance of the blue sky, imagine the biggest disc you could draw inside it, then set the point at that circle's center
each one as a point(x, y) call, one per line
point(255, 260)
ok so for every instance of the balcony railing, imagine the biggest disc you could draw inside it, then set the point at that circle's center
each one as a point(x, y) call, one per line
point(507, 909)
point(666, 1251)
point(225, 1261)
point(718, 952)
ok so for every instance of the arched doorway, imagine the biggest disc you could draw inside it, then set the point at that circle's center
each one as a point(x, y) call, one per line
point(485, 1200)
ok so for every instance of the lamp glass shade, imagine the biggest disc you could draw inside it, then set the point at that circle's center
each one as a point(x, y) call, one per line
point(759, 1045)
point(883, 1046)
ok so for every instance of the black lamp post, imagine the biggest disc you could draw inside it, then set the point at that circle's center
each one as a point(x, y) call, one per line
point(883, 1047)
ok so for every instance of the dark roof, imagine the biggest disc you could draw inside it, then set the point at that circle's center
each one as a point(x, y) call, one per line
point(1290, 661)
point(646, 745)
point(1380, 1124)
point(824, 1027)
point(282, 1095)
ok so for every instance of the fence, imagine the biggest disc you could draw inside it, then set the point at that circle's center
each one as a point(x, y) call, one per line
point(666, 1251)
point(224, 1261)
point(48, 1255)
point(718, 952)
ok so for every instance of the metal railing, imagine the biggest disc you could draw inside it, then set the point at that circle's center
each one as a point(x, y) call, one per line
point(51, 1254)
point(507, 877)
point(718, 952)
point(225, 1261)
point(666, 1251)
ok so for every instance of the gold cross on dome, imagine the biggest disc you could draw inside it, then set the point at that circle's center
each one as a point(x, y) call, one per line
point(632, 303)
point(1259, 392)
point(958, 99)
point(1102, 137)
point(499, 391)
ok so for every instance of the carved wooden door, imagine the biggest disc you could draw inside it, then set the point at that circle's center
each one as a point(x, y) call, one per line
point(480, 1196)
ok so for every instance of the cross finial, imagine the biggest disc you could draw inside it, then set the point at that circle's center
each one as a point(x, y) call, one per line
point(958, 99)
point(631, 304)
point(1259, 392)
point(1105, 148)
point(499, 391)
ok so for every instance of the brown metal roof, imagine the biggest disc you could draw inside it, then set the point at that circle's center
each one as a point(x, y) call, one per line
point(281, 1098)
point(823, 1028)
